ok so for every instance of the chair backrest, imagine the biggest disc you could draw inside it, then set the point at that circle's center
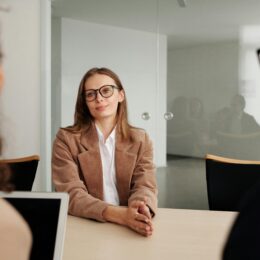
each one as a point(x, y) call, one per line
point(23, 171)
point(228, 180)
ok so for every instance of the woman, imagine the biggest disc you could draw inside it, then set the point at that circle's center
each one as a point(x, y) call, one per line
point(105, 164)
point(15, 235)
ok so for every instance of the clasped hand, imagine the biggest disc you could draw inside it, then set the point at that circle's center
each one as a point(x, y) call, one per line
point(136, 216)
point(139, 218)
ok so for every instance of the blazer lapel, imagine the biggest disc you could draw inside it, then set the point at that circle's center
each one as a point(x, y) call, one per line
point(90, 163)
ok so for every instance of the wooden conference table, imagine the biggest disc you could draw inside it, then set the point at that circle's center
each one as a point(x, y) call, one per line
point(179, 234)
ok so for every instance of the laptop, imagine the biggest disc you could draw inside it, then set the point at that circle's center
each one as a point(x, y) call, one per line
point(46, 214)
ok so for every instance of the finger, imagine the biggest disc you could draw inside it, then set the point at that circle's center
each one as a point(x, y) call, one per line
point(143, 218)
point(145, 211)
point(142, 226)
point(136, 204)
point(143, 231)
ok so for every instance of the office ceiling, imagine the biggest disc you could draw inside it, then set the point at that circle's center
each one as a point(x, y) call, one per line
point(201, 21)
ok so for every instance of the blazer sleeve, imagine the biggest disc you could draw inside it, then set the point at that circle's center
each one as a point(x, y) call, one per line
point(143, 183)
point(66, 178)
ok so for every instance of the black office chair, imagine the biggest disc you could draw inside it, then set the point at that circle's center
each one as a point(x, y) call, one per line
point(23, 171)
point(228, 180)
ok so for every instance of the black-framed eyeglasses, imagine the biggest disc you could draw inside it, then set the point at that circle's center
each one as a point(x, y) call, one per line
point(105, 91)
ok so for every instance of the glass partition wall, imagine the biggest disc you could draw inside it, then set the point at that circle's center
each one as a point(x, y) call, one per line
point(191, 74)
point(213, 91)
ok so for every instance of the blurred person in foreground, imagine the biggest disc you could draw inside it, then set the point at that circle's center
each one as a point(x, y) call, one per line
point(15, 234)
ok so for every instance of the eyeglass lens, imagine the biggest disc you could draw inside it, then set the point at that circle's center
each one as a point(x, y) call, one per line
point(105, 91)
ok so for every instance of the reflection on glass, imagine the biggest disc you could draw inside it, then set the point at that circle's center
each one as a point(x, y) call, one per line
point(213, 91)
point(239, 121)
point(188, 130)
point(179, 129)
point(229, 131)
point(237, 133)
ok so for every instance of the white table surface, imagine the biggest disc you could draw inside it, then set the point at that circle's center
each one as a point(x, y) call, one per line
point(179, 234)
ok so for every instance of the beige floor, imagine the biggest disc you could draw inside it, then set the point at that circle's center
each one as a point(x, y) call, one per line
point(182, 184)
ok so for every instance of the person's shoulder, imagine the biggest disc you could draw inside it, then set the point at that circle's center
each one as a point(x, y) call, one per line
point(138, 134)
point(67, 133)
point(247, 116)
point(15, 231)
point(137, 131)
point(10, 219)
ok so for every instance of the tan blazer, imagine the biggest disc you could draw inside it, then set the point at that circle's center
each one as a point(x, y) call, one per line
point(15, 234)
point(77, 169)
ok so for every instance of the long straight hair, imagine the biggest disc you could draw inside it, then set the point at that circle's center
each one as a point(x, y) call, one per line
point(83, 119)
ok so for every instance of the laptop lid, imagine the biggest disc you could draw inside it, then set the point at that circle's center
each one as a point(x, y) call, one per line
point(46, 214)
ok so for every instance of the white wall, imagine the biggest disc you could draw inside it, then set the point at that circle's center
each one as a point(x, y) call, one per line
point(133, 56)
point(21, 101)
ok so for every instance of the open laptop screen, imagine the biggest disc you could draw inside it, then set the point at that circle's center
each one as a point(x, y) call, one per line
point(46, 214)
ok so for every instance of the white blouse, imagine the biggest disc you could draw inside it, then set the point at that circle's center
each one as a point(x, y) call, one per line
point(107, 151)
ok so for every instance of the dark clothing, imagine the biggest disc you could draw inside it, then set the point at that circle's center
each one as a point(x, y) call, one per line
point(248, 124)
point(244, 238)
